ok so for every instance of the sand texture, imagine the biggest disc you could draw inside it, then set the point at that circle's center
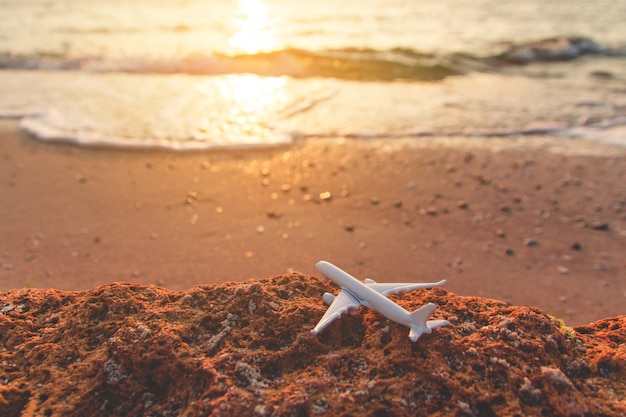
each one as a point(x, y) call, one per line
point(530, 221)
point(240, 349)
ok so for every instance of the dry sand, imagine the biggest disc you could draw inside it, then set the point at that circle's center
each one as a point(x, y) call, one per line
point(508, 219)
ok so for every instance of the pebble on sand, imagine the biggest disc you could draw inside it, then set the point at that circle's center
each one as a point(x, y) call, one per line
point(576, 246)
point(326, 196)
point(599, 225)
point(192, 196)
point(273, 214)
point(530, 242)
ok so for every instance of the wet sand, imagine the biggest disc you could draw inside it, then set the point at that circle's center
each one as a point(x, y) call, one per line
point(520, 220)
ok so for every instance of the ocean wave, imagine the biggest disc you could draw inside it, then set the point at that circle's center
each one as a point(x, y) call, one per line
point(347, 63)
point(40, 127)
point(351, 64)
point(44, 127)
point(552, 49)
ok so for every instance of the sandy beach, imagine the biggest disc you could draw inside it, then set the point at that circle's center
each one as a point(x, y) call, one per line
point(523, 220)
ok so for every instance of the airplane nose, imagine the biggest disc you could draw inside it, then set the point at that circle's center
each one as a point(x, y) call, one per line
point(323, 266)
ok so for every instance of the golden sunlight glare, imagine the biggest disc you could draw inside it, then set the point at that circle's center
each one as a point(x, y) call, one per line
point(254, 33)
point(253, 94)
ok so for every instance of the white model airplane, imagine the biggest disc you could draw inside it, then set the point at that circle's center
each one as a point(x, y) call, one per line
point(355, 293)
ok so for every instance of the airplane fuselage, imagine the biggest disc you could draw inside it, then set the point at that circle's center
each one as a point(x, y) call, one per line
point(366, 295)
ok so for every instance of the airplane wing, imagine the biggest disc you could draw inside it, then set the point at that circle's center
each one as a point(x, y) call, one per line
point(389, 288)
point(342, 303)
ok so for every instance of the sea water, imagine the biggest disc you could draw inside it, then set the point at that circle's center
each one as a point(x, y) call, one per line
point(201, 74)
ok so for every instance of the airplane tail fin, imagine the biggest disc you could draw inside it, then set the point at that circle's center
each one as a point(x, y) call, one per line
point(420, 323)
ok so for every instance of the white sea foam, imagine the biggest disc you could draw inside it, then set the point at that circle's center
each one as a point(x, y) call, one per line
point(177, 112)
point(42, 128)
point(190, 112)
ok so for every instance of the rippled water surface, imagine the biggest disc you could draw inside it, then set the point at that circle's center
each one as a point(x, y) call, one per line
point(194, 74)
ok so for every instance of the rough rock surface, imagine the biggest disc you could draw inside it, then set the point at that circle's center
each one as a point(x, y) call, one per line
point(244, 349)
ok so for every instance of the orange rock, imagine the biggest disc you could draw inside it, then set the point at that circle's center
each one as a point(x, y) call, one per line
point(245, 349)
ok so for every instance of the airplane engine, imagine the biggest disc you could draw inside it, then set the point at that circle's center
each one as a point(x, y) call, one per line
point(328, 298)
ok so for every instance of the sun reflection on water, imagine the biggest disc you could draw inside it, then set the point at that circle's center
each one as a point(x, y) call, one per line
point(254, 30)
point(250, 107)
point(251, 94)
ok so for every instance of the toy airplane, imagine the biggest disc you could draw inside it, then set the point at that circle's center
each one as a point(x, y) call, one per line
point(374, 295)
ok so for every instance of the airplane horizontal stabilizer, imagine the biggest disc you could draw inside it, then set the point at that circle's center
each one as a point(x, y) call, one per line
point(433, 324)
point(419, 321)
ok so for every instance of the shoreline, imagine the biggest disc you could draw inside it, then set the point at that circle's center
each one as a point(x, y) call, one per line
point(528, 221)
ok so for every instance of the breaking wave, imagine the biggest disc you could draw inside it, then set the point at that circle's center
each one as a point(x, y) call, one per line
point(347, 63)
